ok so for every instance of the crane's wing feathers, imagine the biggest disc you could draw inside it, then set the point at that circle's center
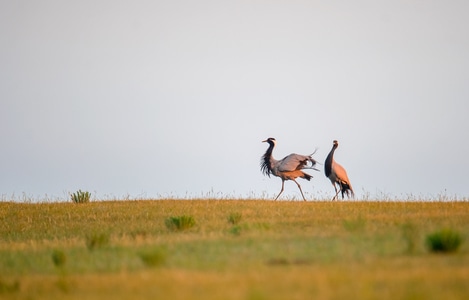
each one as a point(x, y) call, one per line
point(295, 161)
point(340, 172)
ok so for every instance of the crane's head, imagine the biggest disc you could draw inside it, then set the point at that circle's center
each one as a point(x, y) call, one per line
point(335, 143)
point(270, 140)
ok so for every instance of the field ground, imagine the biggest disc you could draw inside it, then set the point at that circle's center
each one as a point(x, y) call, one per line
point(237, 249)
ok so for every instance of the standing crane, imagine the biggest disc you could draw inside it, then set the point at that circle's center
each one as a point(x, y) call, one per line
point(288, 168)
point(337, 174)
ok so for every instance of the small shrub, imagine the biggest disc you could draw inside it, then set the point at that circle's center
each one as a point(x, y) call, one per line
point(59, 258)
point(180, 222)
point(80, 197)
point(97, 240)
point(234, 218)
point(445, 240)
point(153, 258)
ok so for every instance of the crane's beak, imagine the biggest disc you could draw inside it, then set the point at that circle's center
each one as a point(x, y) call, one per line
point(264, 141)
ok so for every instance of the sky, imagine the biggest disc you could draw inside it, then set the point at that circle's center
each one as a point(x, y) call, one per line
point(153, 99)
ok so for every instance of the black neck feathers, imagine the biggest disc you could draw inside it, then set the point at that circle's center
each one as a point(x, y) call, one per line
point(328, 162)
point(265, 160)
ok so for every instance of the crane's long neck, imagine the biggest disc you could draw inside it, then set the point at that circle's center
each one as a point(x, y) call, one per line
point(266, 160)
point(328, 162)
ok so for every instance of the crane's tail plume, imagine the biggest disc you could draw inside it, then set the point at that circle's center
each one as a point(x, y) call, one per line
point(306, 176)
point(346, 189)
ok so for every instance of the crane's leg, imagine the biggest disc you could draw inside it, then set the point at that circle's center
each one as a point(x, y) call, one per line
point(299, 186)
point(336, 192)
point(281, 191)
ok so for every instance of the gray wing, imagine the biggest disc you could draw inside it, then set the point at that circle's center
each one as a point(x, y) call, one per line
point(294, 162)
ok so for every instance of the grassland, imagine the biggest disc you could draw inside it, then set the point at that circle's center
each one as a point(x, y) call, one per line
point(238, 249)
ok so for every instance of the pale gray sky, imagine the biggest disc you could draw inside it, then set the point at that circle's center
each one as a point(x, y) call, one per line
point(173, 98)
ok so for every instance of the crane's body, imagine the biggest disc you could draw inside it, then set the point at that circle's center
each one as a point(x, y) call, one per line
point(337, 174)
point(288, 168)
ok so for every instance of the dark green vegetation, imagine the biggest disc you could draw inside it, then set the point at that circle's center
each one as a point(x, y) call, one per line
point(233, 249)
point(445, 240)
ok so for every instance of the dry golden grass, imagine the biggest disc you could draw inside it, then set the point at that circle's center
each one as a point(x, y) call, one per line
point(274, 250)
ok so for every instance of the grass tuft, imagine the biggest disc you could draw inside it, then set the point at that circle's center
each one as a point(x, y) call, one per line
point(154, 258)
point(445, 240)
point(234, 218)
point(97, 240)
point(235, 230)
point(180, 223)
point(59, 258)
point(81, 197)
